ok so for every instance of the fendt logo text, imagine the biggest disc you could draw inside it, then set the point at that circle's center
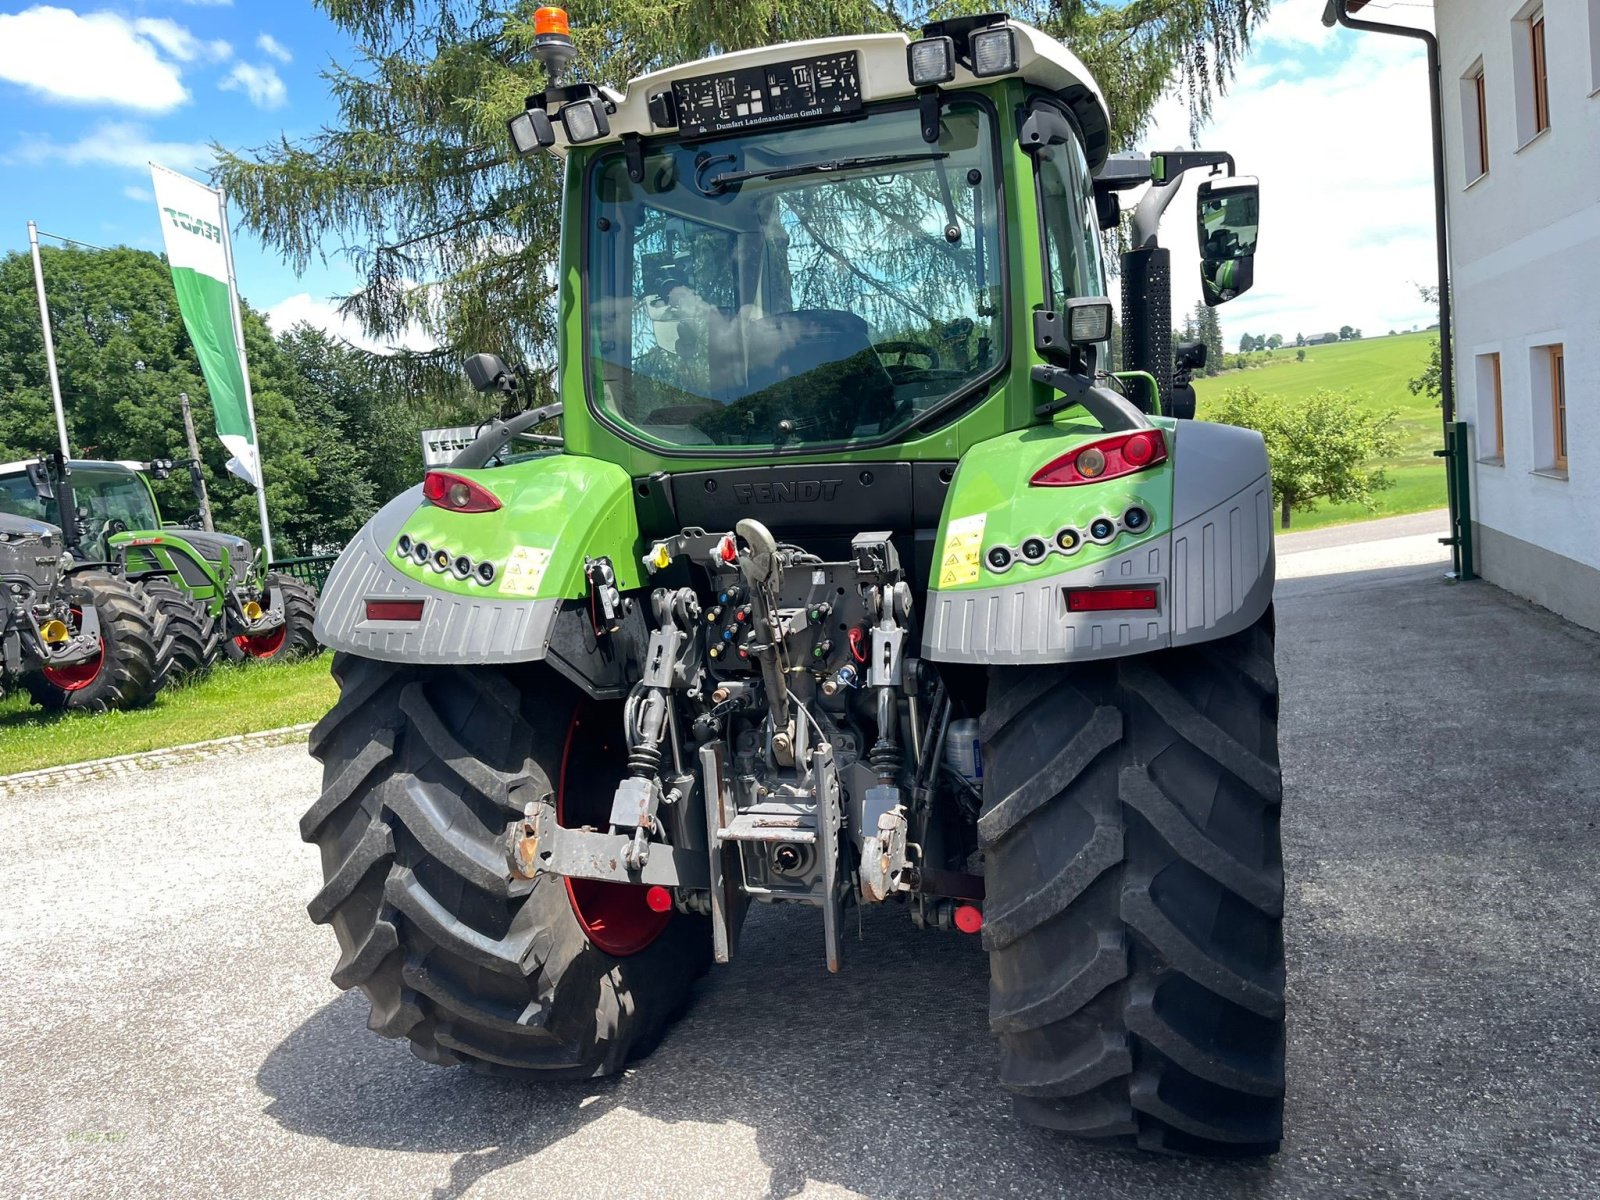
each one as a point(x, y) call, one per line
point(798, 491)
point(196, 225)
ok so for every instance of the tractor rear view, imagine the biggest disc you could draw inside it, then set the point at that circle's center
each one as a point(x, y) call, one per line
point(855, 581)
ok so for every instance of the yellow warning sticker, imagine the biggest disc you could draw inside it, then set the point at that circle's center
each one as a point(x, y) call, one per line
point(525, 571)
point(963, 545)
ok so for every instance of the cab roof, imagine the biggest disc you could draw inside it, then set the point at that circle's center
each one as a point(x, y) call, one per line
point(1041, 60)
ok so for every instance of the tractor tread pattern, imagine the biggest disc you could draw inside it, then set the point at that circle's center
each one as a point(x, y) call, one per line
point(189, 642)
point(423, 769)
point(1135, 896)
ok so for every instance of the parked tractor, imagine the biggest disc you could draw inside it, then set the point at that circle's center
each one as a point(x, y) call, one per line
point(215, 593)
point(84, 640)
point(856, 582)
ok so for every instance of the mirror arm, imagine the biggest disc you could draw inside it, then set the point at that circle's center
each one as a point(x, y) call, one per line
point(495, 438)
point(1114, 413)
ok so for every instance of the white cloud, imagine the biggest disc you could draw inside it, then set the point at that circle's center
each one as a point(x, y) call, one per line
point(273, 48)
point(141, 195)
point(96, 59)
point(179, 42)
point(1335, 124)
point(113, 144)
point(325, 315)
point(260, 83)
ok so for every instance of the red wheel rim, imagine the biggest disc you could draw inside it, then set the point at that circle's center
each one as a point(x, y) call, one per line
point(615, 916)
point(263, 645)
point(79, 675)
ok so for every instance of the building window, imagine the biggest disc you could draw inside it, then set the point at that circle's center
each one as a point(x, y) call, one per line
point(1491, 411)
point(1529, 68)
point(1475, 123)
point(1547, 376)
point(1558, 405)
point(1541, 84)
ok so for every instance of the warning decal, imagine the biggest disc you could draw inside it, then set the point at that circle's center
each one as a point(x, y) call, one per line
point(525, 571)
point(963, 546)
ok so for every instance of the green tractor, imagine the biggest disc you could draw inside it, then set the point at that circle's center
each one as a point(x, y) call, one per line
point(856, 581)
point(213, 590)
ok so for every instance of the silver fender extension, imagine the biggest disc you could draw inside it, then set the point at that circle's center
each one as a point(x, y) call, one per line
point(453, 629)
point(1214, 570)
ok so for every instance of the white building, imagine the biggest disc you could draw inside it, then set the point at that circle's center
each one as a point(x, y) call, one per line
point(1521, 106)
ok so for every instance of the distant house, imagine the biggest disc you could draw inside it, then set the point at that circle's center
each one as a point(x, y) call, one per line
point(1321, 339)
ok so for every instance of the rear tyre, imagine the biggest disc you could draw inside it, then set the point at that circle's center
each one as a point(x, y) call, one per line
point(126, 673)
point(424, 770)
point(189, 640)
point(293, 639)
point(1135, 896)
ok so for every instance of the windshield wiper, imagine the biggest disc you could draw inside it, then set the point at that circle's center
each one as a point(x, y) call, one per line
point(718, 182)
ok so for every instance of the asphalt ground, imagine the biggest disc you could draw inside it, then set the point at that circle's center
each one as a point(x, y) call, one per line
point(169, 1030)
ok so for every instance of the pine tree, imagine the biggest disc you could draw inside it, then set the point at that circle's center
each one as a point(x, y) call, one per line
point(1208, 329)
point(416, 185)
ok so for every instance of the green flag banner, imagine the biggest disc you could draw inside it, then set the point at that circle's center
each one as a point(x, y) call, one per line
point(192, 222)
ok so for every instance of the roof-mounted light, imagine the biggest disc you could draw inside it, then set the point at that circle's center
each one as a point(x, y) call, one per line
point(994, 51)
point(931, 61)
point(552, 41)
point(531, 131)
point(585, 120)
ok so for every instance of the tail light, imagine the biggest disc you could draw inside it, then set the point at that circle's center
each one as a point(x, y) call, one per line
point(457, 493)
point(1106, 459)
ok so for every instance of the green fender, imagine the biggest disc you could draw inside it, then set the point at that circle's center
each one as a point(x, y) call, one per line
point(492, 583)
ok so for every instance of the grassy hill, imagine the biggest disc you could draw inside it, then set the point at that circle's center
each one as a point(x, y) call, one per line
point(1378, 368)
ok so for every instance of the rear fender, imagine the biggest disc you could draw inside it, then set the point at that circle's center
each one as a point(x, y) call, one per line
point(1206, 549)
point(555, 512)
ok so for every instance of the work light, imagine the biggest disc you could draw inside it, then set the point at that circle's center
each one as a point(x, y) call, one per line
point(1088, 321)
point(531, 131)
point(585, 120)
point(994, 51)
point(931, 61)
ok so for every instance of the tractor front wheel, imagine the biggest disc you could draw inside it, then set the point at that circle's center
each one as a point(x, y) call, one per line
point(292, 639)
point(189, 639)
point(424, 771)
point(1135, 895)
point(125, 674)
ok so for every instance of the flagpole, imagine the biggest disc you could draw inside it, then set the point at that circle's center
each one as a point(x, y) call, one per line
point(249, 399)
point(49, 340)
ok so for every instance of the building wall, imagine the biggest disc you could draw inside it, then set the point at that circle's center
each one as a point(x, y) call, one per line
point(1525, 245)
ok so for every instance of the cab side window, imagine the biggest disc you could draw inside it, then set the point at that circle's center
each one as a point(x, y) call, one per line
point(1073, 261)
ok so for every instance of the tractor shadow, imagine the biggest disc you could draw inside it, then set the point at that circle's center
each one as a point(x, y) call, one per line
point(879, 1079)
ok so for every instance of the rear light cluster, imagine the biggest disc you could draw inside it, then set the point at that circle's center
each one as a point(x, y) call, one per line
point(1109, 458)
point(458, 493)
point(1068, 540)
point(442, 560)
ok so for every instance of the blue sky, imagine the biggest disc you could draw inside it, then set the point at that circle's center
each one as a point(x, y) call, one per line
point(90, 92)
point(1334, 123)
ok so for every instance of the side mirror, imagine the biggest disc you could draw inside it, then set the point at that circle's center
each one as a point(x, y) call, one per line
point(39, 478)
point(1229, 217)
point(489, 373)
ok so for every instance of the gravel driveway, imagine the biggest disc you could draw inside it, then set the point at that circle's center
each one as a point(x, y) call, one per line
point(169, 1029)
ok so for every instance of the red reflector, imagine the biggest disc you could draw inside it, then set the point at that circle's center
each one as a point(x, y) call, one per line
point(727, 551)
point(969, 918)
point(1110, 599)
point(458, 493)
point(658, 898)
point(1105, 459)
point(394, 610)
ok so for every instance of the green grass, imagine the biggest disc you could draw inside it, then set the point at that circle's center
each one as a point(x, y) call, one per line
point(1377, 368)
point(231, 700)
